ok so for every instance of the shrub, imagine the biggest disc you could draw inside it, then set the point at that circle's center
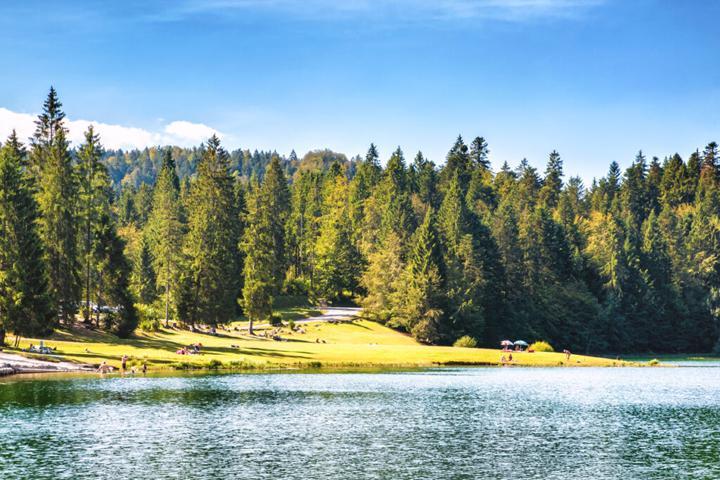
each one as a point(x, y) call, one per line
point(275, 320)
point(291, 324)
point(541, 346)
point(465, 342)
point(654, 362)
point(149, 318)
point(214, 364)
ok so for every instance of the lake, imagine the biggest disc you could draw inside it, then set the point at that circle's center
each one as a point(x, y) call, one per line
point(460, 423)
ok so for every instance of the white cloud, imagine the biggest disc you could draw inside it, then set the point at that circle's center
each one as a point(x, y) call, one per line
point(187, 131)
point(180, 132)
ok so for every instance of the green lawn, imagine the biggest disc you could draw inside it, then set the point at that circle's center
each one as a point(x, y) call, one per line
point(354, 344)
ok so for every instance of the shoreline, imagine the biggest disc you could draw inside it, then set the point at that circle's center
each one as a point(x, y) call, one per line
point(83, 370)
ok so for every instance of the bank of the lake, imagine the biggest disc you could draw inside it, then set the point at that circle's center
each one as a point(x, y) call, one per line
point(313, 344)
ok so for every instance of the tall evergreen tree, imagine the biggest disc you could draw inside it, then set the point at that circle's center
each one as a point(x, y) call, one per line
point(420, 310)
point(51, 165)
point(552, 183)
point(212, 241)
point(93, 195)
point(165, 226)
point(336, 256)
point(24, 303)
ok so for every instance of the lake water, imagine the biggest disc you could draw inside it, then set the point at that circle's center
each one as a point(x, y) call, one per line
point(464, 423)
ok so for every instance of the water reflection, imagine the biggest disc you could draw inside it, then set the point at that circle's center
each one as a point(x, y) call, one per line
point(459, 423)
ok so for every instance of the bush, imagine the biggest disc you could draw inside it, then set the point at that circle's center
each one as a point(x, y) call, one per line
point(275, 320)
point(654, 362)
point(214, 364)
point(541, 346)
point(149, 319)
point(291, 324)
point(465, 342)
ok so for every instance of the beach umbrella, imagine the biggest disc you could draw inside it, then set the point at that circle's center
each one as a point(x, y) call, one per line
point(505, 343)
point(521, 343)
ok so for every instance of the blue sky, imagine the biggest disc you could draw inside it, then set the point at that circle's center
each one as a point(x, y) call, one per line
point(595, 79)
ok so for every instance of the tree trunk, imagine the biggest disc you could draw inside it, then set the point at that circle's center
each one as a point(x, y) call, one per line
point(167, 303)
point(87, 292)
point(2, 337)
point(250, 327)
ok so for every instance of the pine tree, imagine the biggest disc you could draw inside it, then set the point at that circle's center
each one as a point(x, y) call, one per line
point(143, 277)
point(275, 194)
point(479, 153)
point(462, 267)
point(264, 244)
point(552, 183)
point(93, 195)
point(258, 244)
point(114, 279)
point(382, 279)
point(51, 165)
point(337, 262)
point(457, 163)
point(165, 228)
point(420, 310)
point(24, 303)
point(212, 241)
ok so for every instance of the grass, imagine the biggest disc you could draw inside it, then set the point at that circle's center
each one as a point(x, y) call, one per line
point(360, 343)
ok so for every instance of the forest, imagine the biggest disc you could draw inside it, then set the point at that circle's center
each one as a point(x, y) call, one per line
point(120, 240)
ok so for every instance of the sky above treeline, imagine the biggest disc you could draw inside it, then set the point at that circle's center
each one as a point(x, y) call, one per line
point(596, 80)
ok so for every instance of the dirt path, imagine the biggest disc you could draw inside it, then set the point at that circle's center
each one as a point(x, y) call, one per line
point(332, 314)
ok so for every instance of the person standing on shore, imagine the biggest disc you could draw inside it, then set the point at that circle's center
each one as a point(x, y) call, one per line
point(124, 363)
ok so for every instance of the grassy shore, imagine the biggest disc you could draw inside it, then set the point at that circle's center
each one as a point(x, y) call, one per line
point(312, 345)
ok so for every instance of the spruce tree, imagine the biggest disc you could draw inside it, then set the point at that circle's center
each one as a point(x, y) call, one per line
point(479, 153)
point(51, 165)
point(143, 276)
point(166, 230)
point(337, 260)
point(93, 196)
point(420, 310)
point(258, 244)
point(552, 183)
point(25, 307)
point(275, 194)
point(212, 241)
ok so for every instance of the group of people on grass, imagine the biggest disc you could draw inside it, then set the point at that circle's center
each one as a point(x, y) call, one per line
point(509, 359)
point(105, 368)
point(192, 349)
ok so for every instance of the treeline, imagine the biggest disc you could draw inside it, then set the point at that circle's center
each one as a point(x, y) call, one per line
point(131, 169)
point(629, 264)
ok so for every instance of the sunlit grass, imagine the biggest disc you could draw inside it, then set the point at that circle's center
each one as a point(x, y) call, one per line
point(351, 344)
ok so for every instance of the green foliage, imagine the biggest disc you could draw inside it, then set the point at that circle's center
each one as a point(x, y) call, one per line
point(56, 187)
point(212, 242)
point(541, 346)
point(466, 341)
point(165, 233)
point(275, 320)
point(629, 263)
point(264, 244)
point(148, 317)
point(24, 303)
